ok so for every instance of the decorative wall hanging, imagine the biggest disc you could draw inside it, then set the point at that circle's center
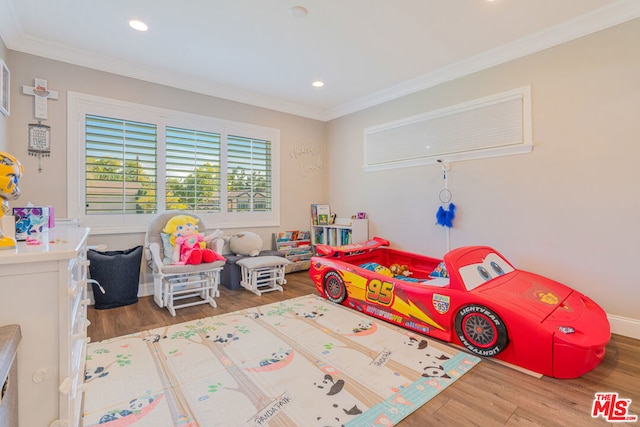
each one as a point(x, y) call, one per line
point(4, 88)
point(41, 93)
point(39, 141)
point(309, 158)
point(446, 215)
point(39, 134)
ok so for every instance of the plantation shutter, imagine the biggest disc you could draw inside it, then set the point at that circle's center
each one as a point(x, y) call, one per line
point(248, 174)
point(120, 166)
point(192, 170)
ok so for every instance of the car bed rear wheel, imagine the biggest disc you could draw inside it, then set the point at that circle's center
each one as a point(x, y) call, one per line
point(481, 330)
point(334, 287)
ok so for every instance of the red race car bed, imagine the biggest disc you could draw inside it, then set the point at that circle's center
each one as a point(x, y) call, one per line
point(473, 297)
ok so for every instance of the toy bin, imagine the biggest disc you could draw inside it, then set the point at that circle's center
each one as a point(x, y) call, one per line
point(118, 273)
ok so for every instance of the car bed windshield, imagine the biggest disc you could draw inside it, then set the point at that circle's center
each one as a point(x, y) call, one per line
point(474, 275)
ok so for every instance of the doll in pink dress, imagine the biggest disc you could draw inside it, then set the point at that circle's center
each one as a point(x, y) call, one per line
point(190, 246)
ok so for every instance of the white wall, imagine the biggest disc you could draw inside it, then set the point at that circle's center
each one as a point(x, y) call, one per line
point(570, 210)
point(301, 184)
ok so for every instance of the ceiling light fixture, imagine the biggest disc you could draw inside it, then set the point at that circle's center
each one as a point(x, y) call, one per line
point(317, 83)
point(138, 25)
point(298, 12)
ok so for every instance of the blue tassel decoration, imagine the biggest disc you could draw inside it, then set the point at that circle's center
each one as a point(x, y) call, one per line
point(445, 217)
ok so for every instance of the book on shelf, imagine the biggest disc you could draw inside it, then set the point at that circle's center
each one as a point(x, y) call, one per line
point(298, 251)
point(296, 247)
point(304, 235)
point(318, 235)
point(333, 237)
point(345, 238)
point(283, 236)
point(286, 244)
point(298, 244)
point(293, 235)
point(320, 214)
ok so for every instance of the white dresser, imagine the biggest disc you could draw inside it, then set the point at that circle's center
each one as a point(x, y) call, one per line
point(44, 290)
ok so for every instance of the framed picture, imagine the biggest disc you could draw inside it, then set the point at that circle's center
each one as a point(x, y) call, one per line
point(4, 88)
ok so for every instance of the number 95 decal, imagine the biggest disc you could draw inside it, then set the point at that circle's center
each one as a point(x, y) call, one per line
point(380, 292)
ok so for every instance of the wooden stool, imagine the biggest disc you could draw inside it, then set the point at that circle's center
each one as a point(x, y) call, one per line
point(263, 273)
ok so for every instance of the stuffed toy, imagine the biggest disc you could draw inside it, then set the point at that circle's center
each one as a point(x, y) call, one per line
point(245, 243)
point(190, 246)
point(400, 270)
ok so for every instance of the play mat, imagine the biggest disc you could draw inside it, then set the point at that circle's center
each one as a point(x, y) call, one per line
point(300, 362)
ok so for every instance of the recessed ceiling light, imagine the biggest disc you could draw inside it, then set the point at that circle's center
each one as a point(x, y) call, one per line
point(317, 83)
point(298, 12)
point(138, 25)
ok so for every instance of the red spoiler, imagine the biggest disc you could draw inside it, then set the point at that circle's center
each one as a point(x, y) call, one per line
point(326, 250)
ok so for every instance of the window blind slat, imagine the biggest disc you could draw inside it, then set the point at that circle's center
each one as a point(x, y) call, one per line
point(192, 170)
point(120, 166)
point(249, 176)
point(121, 169)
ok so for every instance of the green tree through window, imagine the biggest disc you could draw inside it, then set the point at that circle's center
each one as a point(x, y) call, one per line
point(122, 172)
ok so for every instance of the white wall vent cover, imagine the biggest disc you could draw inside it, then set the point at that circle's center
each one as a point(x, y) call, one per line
point(496, 125)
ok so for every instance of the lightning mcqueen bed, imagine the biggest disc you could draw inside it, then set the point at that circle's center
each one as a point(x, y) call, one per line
point(474, 298)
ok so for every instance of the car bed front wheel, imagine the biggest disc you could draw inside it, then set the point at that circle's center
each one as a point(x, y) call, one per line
point(481, 330)
point(334, 287)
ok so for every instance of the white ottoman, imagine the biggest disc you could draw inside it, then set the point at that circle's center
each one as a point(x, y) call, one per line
point(263, 273)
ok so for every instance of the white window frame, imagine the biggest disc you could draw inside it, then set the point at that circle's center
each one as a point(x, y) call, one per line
point(79, 105)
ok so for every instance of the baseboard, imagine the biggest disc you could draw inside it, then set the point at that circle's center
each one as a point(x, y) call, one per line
point(145, 289)
point(624, 326)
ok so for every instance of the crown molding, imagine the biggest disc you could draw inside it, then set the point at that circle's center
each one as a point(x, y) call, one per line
point(600, 19)
point(46, 49)
point(9, 27)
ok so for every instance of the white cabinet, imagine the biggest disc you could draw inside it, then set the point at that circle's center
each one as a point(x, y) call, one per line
point(44, 290)
point(343, 231)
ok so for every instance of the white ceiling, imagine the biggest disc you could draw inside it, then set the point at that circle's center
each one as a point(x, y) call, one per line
point(254, 51)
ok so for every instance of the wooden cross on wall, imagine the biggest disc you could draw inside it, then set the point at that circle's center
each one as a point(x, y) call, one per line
point(41, 93)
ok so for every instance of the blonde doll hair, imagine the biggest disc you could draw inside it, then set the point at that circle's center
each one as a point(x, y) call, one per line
point(173, 223)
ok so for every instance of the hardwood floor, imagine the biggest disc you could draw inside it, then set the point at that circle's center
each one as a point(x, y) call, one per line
point(489, 395)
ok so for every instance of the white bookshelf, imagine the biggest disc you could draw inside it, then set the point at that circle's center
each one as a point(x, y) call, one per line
point(343, 231)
